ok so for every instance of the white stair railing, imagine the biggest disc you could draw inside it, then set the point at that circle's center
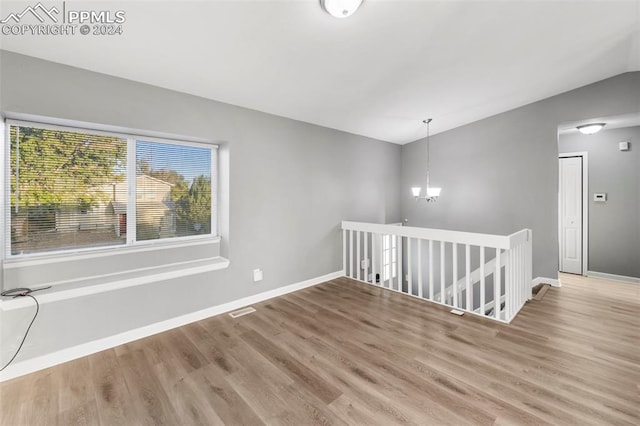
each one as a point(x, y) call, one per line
point(474, 279)
point(466, 271)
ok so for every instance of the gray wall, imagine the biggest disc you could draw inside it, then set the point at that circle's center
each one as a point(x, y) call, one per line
point(291, 183)
point(500, 174)
point(614, 226)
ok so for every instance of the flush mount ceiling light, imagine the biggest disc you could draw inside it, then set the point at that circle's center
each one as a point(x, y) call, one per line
point(340, 8)
point(432, 193)
point(591, 128)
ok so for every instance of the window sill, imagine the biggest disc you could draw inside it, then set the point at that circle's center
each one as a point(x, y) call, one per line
point(116, 281)
point(85, 254)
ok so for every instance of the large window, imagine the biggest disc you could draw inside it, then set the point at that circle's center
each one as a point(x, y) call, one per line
point(71, 189)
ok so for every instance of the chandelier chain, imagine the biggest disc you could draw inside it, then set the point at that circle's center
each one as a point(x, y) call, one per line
point(427, 122)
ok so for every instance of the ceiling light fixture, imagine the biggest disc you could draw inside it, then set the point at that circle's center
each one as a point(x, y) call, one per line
point(340, 8)
point(432, 193)
point(591, 128)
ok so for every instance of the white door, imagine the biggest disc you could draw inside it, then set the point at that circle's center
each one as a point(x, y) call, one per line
point(571, 215)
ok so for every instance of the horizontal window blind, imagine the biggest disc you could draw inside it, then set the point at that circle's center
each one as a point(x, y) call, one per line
point(62, 188)
point(173, 190)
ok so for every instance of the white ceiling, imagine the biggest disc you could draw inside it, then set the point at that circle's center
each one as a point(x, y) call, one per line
point(377, 73)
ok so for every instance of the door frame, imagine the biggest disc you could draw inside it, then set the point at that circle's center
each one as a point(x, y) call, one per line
point(585, 209)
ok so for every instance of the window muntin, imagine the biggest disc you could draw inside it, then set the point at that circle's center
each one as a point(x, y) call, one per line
point(70, 189)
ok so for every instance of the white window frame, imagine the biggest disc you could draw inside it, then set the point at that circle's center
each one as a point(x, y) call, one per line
point(131, 138)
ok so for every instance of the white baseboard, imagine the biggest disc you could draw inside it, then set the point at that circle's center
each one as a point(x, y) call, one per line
point(553, 282)
point(614, 277)
point(64, 355)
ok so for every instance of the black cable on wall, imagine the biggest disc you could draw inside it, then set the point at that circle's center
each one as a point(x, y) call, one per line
point(22, 292)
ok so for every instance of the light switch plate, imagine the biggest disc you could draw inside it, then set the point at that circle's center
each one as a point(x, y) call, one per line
point(624, 146)
point(600, 197)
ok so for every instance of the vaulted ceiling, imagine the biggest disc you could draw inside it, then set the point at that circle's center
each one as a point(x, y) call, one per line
point(377, 73)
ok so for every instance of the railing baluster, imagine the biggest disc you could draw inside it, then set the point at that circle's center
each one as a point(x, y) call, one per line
point(529, 261)
point(419, 268)
point(366, 256)
point(516, 281)
point(454, 287)
point(351, 254)
point(409, 267)
point(399, 246)
point(382, 280)
point(359, 261)
point(513, 287)
point(496, 286)
point(525, 266)
point(344, 251)
point(432, 296)
point(373, 258)
point(468, 269)
point(442, 283)
point(391, 237)
point(508, 284)
point(520, 280)
point(521, 268)
point(482, 288)
point(516, 287)
point(390, 261)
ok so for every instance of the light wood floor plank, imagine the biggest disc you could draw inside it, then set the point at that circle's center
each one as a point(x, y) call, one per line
point(109, 388)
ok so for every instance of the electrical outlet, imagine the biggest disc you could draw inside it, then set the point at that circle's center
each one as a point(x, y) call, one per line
point(600, 197)
point(406, 277)
point(257, 275)
point(364, 264)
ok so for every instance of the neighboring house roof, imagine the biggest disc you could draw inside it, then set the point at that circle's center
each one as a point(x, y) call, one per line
point(109, 187)
point(154, 190)
point(119, 205)
point(142, 175)
point(121, 208)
